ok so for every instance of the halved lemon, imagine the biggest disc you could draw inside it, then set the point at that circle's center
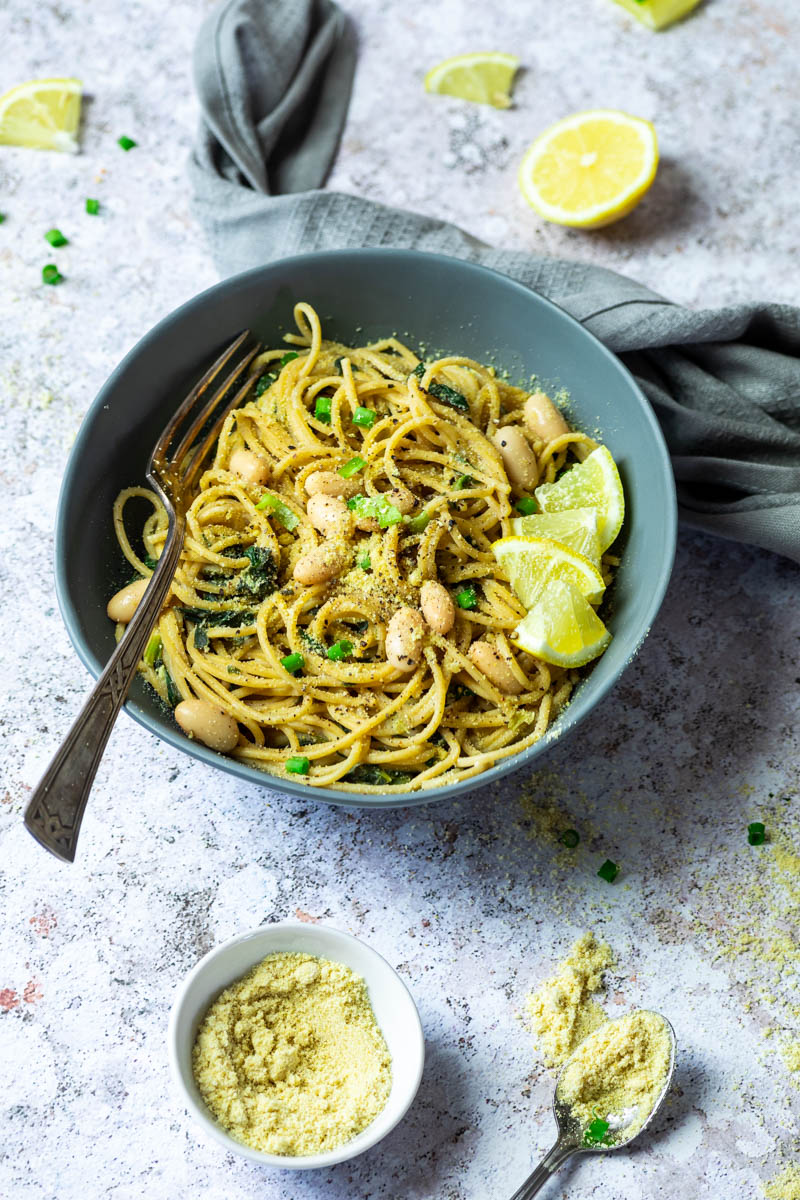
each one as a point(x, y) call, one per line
point(591, 168)
point(562, 628)
point(532, 564)
point(483, 78)
point(594, 483)
point(43, 114)
point(657, 14)
point(576, 528)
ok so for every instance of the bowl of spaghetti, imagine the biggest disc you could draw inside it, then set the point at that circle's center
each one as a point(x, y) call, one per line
point(340, 624)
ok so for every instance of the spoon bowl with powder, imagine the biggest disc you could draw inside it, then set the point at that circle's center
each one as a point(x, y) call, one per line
point(608, 1090)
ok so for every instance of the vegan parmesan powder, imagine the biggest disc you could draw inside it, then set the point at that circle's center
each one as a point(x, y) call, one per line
point(290, 1059)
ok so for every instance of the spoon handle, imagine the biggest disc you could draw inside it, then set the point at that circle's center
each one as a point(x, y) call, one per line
point(550, 1163)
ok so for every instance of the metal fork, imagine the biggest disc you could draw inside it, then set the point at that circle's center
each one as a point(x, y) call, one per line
point(55, 810)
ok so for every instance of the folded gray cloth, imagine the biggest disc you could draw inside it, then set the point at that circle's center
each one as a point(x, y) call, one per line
point(273, 79)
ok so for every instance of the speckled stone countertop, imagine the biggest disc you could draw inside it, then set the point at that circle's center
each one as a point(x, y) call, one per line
point(473, 901)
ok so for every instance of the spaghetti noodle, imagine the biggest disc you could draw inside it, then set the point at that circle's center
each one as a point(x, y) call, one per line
point(352, 477)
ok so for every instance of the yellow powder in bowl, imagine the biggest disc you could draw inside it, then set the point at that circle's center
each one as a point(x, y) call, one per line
point(619, 1072)
point(561, 1011)
point(290, 1059)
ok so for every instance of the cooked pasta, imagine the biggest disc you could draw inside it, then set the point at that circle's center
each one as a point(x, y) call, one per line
point(350, 479)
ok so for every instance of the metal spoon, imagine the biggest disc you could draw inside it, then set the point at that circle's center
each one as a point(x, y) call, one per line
point(570, 1138)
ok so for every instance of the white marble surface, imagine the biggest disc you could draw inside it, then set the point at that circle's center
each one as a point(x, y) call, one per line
point(471, 900)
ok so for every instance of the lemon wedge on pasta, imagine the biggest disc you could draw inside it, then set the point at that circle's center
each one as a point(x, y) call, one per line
point(575, 528)
point(594, 483)
point(562, 628)
point(533, 563)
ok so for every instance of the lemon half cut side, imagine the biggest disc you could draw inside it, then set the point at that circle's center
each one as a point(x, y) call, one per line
point(590, 169)
point(43, 114)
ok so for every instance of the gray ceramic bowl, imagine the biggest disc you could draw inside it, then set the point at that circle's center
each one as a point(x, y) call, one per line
point(440, 304)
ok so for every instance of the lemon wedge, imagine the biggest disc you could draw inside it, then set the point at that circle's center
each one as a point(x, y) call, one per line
point(576, 528)
point(590, 169)
point(562, 628)
point(657, 14)
point(43, 114)
point(594, 483)
point(484, 78)
point(532, 564)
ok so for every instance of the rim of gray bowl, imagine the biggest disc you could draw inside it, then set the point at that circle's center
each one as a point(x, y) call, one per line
point(566, 722)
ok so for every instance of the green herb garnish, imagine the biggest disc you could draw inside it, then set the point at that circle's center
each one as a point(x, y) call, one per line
point(375, 506)
point(419, 370)
point(265, 381)
point(152, 649)
point(322, 409)
point(609, 871)
point(287, 518)
point(93, 207)
point(288, 357)
point(467, 598)
point(756, 833)
point(419, 523)
point(449, 396)
point(363, 561)
point(376, 776)
point(596, 1133)
point(364, 417)
point(340, 650)
point(352, 467)
point(126, 143)
point(293, 663)
point(570, 838)
point(298, 766)
point(167, 682)
point(526, 505)
point(463, 481)
point(51, 274)
point(56, 238)
point(314, 644)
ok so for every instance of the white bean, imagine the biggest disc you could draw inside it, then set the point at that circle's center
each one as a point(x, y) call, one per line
point(330, 515)
point(209, 724)
point(437, 606)
point(495, 667)
point(123, 604)
point(405, 634)
point(249, 466)
point(543, 418)
point(518, 458)
point(331, 483)
point(318, 565)
point(401, 498)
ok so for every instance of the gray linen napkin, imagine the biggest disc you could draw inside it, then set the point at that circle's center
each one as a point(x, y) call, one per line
point(273, 79)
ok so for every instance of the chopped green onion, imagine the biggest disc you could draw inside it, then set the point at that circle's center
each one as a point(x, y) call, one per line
point(2, 218)
point(352, 466)
point(51, 274)
point(463, 481)
point(152, 649)
point(609, 871)
point(322, 409)
point(287, 518)
point(265, 381)
point(126, 142)
point(596, 1133)
point(293, 663)
point(288, 357)
point(364, 417)
point(570, 838)
point(364, 562)
point(298, 766)
point(93, 207)
point(340, 650)
point(419, 523)
point(467, 598)
point(375, 506)
point(756, 833)
point(448, 395)
point(419, 370)
point(56, 238)
point(526, 505)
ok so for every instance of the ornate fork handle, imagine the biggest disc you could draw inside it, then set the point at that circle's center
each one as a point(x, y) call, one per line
point(55, 810)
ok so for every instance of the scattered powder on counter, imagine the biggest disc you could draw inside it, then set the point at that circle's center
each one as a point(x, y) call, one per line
point(619, 1071)
point(561, 1011)
point(290, 1059)
point(785, 1186)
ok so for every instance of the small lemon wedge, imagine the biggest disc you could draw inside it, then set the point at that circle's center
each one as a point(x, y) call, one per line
point(590, 169)
point(562, 628)
point(594, 483)
point(43, 114)
point(657, 14)
point(532, 563)
point(575, 528)
point(483, 78)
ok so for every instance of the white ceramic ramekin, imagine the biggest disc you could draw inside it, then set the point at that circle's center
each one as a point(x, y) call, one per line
point(391, 1001)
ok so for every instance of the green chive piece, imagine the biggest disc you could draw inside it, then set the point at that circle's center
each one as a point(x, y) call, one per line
point(322, 409)
point(609, 871)
point(288, 357)
point(293, 663)
point(352, 467)
point(2, 218)
point(298, 766)
point(56, 238)
point(126, 142)
point(463, 481)
point(385, 514)
point(93, 207)
point(526, 505)
point(265, 381)
point(570, 838)
point(756, 833)
point(467, 598)
point(287, 518)
point(365, 417)
point(364, 562)
point(152, 649)
point(340, 650)
point(596, 1133)
point(419, 523)
point(51, 274)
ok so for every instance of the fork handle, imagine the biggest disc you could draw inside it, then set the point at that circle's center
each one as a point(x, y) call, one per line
point(55, 810)
point(538, 1178)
